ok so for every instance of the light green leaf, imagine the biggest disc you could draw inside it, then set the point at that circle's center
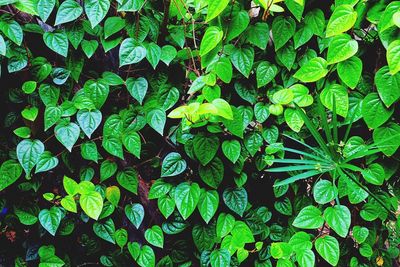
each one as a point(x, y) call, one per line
point(339, 94)
point(91, 203)
point(374, 174)
point(385, 136)
point(135, 214)
point(46, 162)
point(211, 38)
point(341, 20)
point(215, 8)
point(312, 71)
point(374, 111)
point(341, 48)
point(324, 191)
point(328, 247)
point(153, 54)
point(293, 119)
point(89, 121)
point(388, 85)
point(156, 119)
point(155, 236)
point(309, 217)
point(349, 71)
point(10, 171)
point(338, 218)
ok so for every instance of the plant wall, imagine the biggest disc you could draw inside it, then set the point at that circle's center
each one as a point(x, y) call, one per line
point(199, 133)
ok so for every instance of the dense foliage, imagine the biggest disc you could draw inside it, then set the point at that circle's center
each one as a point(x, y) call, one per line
point(199, 133)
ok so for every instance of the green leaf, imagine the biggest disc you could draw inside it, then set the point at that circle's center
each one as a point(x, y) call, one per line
point(324, 192)
point(29, 87)
point(338, 218)
point(28, 154)
point(241, 233)
point(374, 111)
point(52, 115)
point(338, 94)
point(113, 146)
point(96, 10)
point(186, 198)
point(153, 54)
point(238, 24)
point(309, 217)
point(89, 47)
point(168, 53)
point(388, 85)
point(121, 237)
point(235, 199)
point(205, 147)
point(296, 7)
point(131, 52)
point(89, 121)
point(283, 29)
point(135, 214)
point(385, 136)
point(242, 59)
point(67, 134)
point(305, 258)
point(12, 30)
point(113, 25)
point(258, 34)
point(146, 257)
point(223, 69)
point(50, 219)
point(360, 234)
point(341, 47)
point(91, 203)
point(341, 20)
point(349, 71)
point(46, 162)
point(57, 41)
point(107, 169)
point(231, 150)
point(374, 174)
point(105, 230)
point(10, 171)
point(166, 205)
point(220, 258)
point(211, 38)
point(215, 8)
point(44, 8)
point(156, 118)
point(23, 132)
point(137, 88)
point(312, 71)
point(315, 19)
point(208, 204)
point(128, 179)
point(293, 119)
point(159, 188)
point(97, 91)
point(223, 108)
point(265, 73)
point(3, 46)
point(113, 194)
point(30, 113)
point(212, 173)
point(173, 165)
point(68, 11)
point(328, 247)
point(393, 57)
point(155, 236)
point(253, 141)
point(225, 224)
point(131, 141)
